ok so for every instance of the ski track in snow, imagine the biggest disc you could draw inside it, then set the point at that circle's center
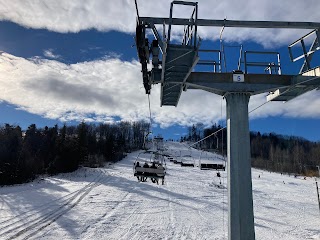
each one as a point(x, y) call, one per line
point(109, 203)
point(27, 224)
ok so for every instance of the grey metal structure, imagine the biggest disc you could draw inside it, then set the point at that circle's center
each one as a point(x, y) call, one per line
point(174, 72)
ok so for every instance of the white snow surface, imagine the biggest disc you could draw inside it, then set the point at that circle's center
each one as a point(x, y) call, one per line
point(110, 203)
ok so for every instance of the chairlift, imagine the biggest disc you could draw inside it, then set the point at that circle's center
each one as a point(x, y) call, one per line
point(174, 157)
point(169, 155)
point(187, 160)
point(155, 142)
point(150, 164)
point(208, 161)
point(177, 160)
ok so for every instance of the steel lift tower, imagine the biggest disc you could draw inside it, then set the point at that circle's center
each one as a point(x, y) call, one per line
point(173, 67)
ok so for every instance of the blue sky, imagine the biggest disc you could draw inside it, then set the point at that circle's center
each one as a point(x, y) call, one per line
point(68, 61)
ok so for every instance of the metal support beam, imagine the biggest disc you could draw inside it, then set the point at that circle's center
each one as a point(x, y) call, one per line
point(232, 23)
point(157, 36)
point(222, 83)
point(241, 220)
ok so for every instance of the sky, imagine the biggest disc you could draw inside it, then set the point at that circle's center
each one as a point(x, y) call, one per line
point(69, 61)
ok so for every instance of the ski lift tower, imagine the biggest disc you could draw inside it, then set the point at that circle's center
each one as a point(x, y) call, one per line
point(173, 70)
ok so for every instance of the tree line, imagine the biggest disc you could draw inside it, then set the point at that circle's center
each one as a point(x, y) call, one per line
point(269, 151)
point(289, 154)
point(52, 150)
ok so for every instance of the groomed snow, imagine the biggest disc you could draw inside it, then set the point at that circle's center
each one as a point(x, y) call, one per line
point(109, 203)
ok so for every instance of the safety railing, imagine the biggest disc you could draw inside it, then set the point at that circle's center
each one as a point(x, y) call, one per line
point(270, 67)
point(190, 30)
point(216, 65)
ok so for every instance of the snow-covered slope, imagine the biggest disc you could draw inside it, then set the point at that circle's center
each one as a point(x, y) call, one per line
point(109, 203)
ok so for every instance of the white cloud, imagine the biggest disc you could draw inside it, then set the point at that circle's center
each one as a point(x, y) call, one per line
point(111, 87)
point(49, 54)
point(77, 15)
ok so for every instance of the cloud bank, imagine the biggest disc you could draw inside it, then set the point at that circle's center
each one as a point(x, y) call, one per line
point(77, 15)
point(103, 89)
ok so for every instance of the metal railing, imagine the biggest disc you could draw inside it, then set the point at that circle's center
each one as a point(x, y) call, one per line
point(210, 62)
point(307, 55)
point(272, 67)
point(190, 30)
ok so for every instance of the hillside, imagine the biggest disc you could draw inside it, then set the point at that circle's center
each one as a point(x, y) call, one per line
point(109, 203)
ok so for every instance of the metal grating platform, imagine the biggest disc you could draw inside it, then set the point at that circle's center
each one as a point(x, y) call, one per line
point(301, 84)
point(178, 64)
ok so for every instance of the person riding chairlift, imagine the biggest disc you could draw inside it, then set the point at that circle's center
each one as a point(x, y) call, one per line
point(145, 165)
point(144, 179)
point(161, 167)
point(153, 166)
point(138, 173)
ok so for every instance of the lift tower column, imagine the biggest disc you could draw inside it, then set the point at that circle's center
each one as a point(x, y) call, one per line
point(241, 224)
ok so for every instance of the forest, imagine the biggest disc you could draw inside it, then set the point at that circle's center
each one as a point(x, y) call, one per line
point(26, 154)
point(272, 152)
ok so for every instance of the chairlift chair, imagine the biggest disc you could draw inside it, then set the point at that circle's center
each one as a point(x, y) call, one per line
point(206, 162)
point(152, 158)
point(186, 159)
point(174, 158)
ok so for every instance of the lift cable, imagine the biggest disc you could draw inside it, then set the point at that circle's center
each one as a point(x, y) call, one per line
point(150, 118)
point(207, 136)
point(150, 127)
point(258, 107)
point(135, 1)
